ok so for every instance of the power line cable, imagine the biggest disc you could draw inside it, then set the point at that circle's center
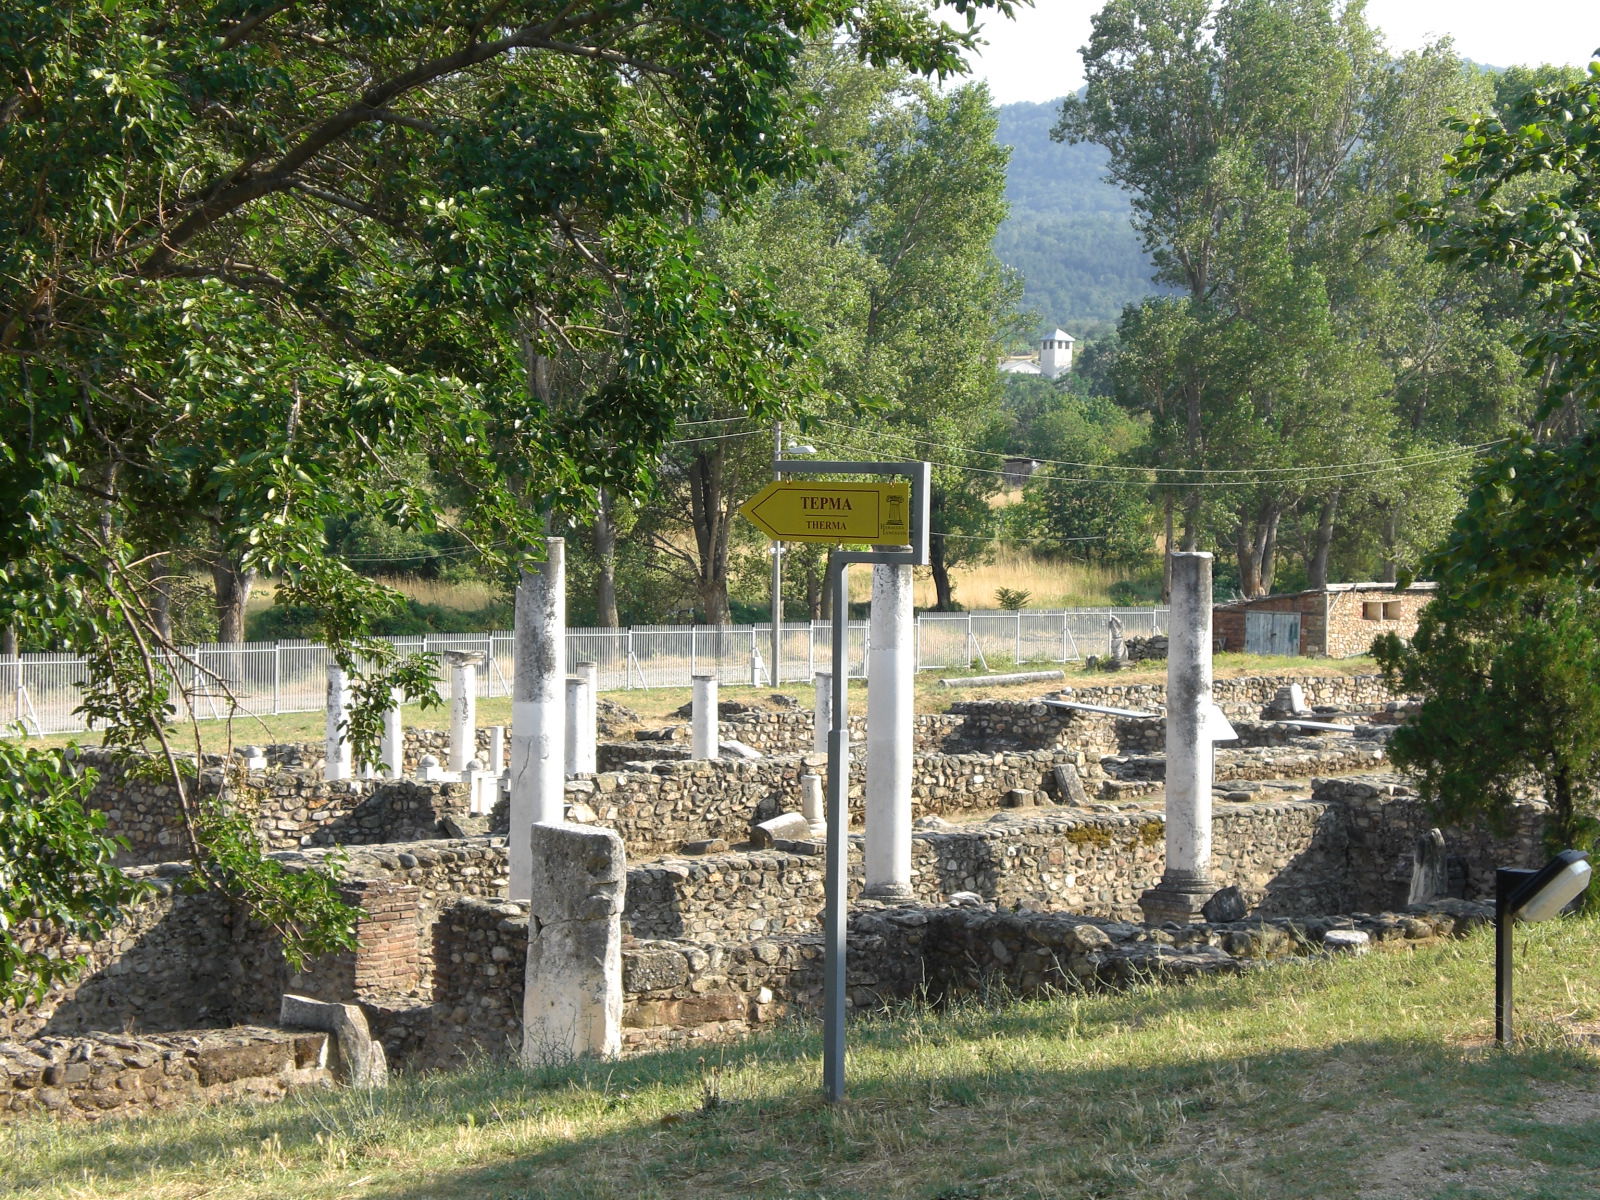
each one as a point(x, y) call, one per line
point(1424, 457)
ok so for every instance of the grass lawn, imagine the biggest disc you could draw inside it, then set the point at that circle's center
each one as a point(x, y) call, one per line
point(1370, 1077)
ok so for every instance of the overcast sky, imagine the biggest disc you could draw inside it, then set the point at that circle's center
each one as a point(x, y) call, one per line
point(1036, 58)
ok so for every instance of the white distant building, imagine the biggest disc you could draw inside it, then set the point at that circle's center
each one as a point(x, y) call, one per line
point(1054, 358)
point(1055, 354)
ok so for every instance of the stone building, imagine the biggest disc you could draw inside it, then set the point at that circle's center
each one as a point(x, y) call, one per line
point(1338, 621)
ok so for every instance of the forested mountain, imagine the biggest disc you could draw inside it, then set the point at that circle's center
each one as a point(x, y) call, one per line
point(1068, 232)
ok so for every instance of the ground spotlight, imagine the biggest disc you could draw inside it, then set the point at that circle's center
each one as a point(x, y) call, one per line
point(1523, 895)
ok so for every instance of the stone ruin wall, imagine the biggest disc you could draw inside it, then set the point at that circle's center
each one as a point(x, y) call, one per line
point(106, 1074)
point(956, 769)
point(187, 960)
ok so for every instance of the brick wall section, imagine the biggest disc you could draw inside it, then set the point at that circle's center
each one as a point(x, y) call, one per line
point(104, 1074)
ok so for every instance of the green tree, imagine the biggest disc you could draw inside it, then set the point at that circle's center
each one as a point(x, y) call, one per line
point(1512, 697)
point(1524, 197)
point(58, 878)
point(255, 258)
point(1260, 142)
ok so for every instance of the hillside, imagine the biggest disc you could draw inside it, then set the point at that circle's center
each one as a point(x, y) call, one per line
point(1068, 232)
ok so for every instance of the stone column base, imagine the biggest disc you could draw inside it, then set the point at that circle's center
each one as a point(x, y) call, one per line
point(888, 893)
point(1178, 897)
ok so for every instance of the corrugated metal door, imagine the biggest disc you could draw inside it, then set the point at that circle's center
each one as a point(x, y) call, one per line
point(1272, 633)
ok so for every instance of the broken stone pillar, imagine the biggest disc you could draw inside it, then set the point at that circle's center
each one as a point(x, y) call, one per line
point(1118, 646)
point(572, 993)
point(337, 757)
point(1430, 869)
point(429, 770)
point(393, 749)
point(255, 757)
point(538, 710)
point(823, 721)
point(811, 806)
point(1186, 883)
point(360, 1059)
point(483, 788)
point(580, 729)
point(891, 717)
point(497, 749)
point(703, 743)
point(463, 706)
point(588, 746)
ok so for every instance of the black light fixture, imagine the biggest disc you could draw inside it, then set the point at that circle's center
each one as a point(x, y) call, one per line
point(1523, 895)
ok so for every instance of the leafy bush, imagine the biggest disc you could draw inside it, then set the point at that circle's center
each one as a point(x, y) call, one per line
point(57, 867)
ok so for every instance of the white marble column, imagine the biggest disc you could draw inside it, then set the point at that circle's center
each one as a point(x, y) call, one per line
point(394, 737)
point(497, 749)
point(1186, 884)
point(463, 706)
point(538, 710)
point(589, 717)
point(891, 715)
point(337, 753)
point(580, 751)
point(704, 726)
point(822, 719)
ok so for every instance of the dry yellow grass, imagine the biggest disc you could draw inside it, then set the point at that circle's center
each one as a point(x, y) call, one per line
point(1052, 584)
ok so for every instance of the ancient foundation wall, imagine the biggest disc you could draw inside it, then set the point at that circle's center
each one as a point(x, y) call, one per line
point(106, 1074)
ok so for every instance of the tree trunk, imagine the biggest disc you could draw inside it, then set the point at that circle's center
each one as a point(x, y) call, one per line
point(1168, 504)
point(943, 591)
point(813, 577)
point(1390, 535)
point(161, 598)
point(233, 591)
point(1318, 570)
point(605, 553)
point(707, 510)
point(1267, 547)
point(1244, 551)
point(8, 641)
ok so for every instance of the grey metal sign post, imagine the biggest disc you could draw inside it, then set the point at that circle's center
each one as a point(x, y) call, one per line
point(836, 871)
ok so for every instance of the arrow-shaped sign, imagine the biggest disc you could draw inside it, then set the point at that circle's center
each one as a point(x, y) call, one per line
point(804, 510)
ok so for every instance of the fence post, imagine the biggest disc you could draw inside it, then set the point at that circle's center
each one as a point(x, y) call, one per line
point(1016, 655)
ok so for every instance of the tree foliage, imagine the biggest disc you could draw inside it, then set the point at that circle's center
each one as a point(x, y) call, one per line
point(58, 879)
point(1260, 142)
point(1524, 197)
point(1512, 700)
point(258, 260)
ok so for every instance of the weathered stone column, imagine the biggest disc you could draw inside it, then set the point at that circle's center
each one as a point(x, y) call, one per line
point(822, 720)
point(337, 751)
point(538, 710)
point(581, 720)
point(394, 737)
point(812, 806)
point(704, 720)
point(497, 749)
point(463, 666)
point(1186, 884)
point(891, 715)
point(588, 746)
point(572, 991)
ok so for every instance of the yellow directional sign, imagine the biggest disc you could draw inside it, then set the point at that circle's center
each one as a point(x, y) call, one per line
point(805, 510)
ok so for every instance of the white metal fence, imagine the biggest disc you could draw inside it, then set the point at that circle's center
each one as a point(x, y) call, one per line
point(42, 691)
